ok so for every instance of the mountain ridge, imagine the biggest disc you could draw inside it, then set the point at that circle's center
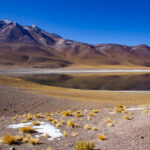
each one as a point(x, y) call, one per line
point(32, 46)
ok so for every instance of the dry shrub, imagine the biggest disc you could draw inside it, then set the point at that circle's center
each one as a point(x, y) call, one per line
point(78, 114)
point(126, 117)
point(28, 136)
point(23, 121)
point(34, 141)
point(74, 133)
point(144, 111)
point(83, 145)
point(95, 110)
point(39, 115)
point(86, 127)
point(4, 108)
point(70, 123)
point(67, 113)
point(92, 114)
point(107, 120)
point(27, 129)
point(58, 124)
point(14, 118)
point(19, 137)
point(36, 123)
point(65, 133)
point(47, 114)
point(49, 148)
point(49, 119)
point(94, 128)
point(55, 121)
point(47, 135)
point(102, 137)
point(25, 140)
point(8, 139)
point(130, 113)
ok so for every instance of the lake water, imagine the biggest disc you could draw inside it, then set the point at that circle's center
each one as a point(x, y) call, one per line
point(93, 82)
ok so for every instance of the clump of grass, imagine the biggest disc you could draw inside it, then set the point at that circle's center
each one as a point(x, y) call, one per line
point(8, 139)
point(47, 135)
point(34, 141)
point(55, 121)
point(92, 114)
point(70, 123)
point(102, 137)
point(27, 129)
point(36, 123)
point(94, 128)
point(107, 120)
point(25, 140)
point(39, 115)
point(119, 109)
point(126, 117)
point(23, 121)
point(144, 111)
point(86, 127)
point(67, 113)
point(49, 148)
point(4, 108)
point(65, 133)
point(14, 118)
point(130, 113)
point(78, 114)
point(47, 114)
point(58, 124)
point(29, 117)
point(49, 119)
point(75, 134)
point(19, 137)
point(95, 110)
point(84, 145)
point(28, 136)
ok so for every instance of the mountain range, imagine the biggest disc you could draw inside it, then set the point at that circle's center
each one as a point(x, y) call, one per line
point(30, 46)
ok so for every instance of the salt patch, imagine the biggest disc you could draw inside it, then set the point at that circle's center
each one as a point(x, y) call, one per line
point(43, 128)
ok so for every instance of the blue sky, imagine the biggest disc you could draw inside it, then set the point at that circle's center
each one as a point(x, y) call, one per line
point(91, 21)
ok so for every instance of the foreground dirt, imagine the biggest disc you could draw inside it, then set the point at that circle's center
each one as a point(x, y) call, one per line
point(131, 134)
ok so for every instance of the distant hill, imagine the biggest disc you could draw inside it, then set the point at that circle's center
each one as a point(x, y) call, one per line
point(30, 46)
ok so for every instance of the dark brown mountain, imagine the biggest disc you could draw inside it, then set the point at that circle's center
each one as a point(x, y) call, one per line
point(30, 46)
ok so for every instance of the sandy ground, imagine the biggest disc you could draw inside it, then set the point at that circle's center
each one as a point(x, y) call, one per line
point(131, 134)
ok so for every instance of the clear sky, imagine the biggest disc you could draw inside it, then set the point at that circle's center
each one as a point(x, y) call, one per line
point(91, 21)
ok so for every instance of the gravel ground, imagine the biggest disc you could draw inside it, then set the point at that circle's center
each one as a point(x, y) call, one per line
point(131, 134)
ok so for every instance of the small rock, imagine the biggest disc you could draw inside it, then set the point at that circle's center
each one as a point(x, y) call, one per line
point(142, 137)
point(12, 148)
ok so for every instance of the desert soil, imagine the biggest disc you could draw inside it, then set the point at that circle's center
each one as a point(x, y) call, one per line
point(131, 134)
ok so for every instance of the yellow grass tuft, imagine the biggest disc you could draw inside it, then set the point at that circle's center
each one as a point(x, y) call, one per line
point(28, 136)
point(58, 124)
point(78, 114)
point(49, 148)
point(94, 128)
point(27, 129)
point(19, 137)
point(39, 115)
point(67, 113)
point(8, 139)
point(144, 111)
point(65, 133)
point(95, 110)
point(36, 123)
point(14, 118)
point(70, 123)
point(83, 145)
point(107, 120)
point(25, 140)
point(92, 114)
point(34, 141)
point(74, 133)
point(102, 137)
point(47, 135)
point(55, 121)
point(4, 108)
point(126, 117)
point(130, 113)
point(86, 127)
